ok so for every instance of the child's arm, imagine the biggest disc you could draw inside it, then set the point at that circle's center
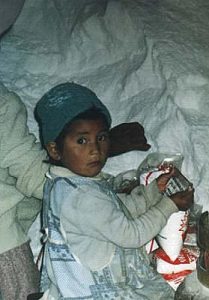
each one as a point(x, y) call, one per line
point(92, 213)
point(141, 199)
point(18, 150)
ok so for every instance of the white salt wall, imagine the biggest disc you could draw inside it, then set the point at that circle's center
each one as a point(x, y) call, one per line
point(147, 60)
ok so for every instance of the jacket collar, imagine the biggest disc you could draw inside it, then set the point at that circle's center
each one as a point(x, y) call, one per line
point(64, 172)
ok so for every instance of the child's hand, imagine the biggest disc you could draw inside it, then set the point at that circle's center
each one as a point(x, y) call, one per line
point(183, 200)
point(162, 180)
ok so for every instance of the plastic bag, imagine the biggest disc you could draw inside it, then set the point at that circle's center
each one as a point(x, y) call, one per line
point(174, 272)
point(171, 237)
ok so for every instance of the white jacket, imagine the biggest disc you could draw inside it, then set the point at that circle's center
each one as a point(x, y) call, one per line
point(22, 158)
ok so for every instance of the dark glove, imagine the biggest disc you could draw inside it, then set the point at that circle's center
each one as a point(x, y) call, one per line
point(127, 137)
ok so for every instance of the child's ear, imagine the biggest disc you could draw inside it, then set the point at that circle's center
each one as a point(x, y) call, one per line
point(53, 151)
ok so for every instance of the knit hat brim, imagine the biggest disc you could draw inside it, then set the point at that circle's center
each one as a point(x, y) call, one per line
point(63, 103)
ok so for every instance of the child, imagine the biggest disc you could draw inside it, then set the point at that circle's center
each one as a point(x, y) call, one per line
point(94, 247)
point(22, 173)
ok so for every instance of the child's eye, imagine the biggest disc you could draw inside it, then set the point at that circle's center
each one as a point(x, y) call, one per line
point(82, 141)
point(102, 137)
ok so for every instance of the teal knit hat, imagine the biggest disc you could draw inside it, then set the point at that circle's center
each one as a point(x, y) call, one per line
point(63, 103)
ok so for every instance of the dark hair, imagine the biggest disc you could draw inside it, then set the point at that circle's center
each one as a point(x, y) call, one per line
point(90, 114)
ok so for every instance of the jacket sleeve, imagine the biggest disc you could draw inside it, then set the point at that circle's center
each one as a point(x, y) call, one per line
point(98, 216)
point(18, 150)
point(141, 199)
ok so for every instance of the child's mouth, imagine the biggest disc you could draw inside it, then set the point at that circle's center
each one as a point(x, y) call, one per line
point(95, 164)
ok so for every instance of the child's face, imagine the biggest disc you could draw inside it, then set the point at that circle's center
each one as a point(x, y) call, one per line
point(85, 148)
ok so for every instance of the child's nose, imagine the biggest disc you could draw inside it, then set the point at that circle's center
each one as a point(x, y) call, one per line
point(94, 147)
